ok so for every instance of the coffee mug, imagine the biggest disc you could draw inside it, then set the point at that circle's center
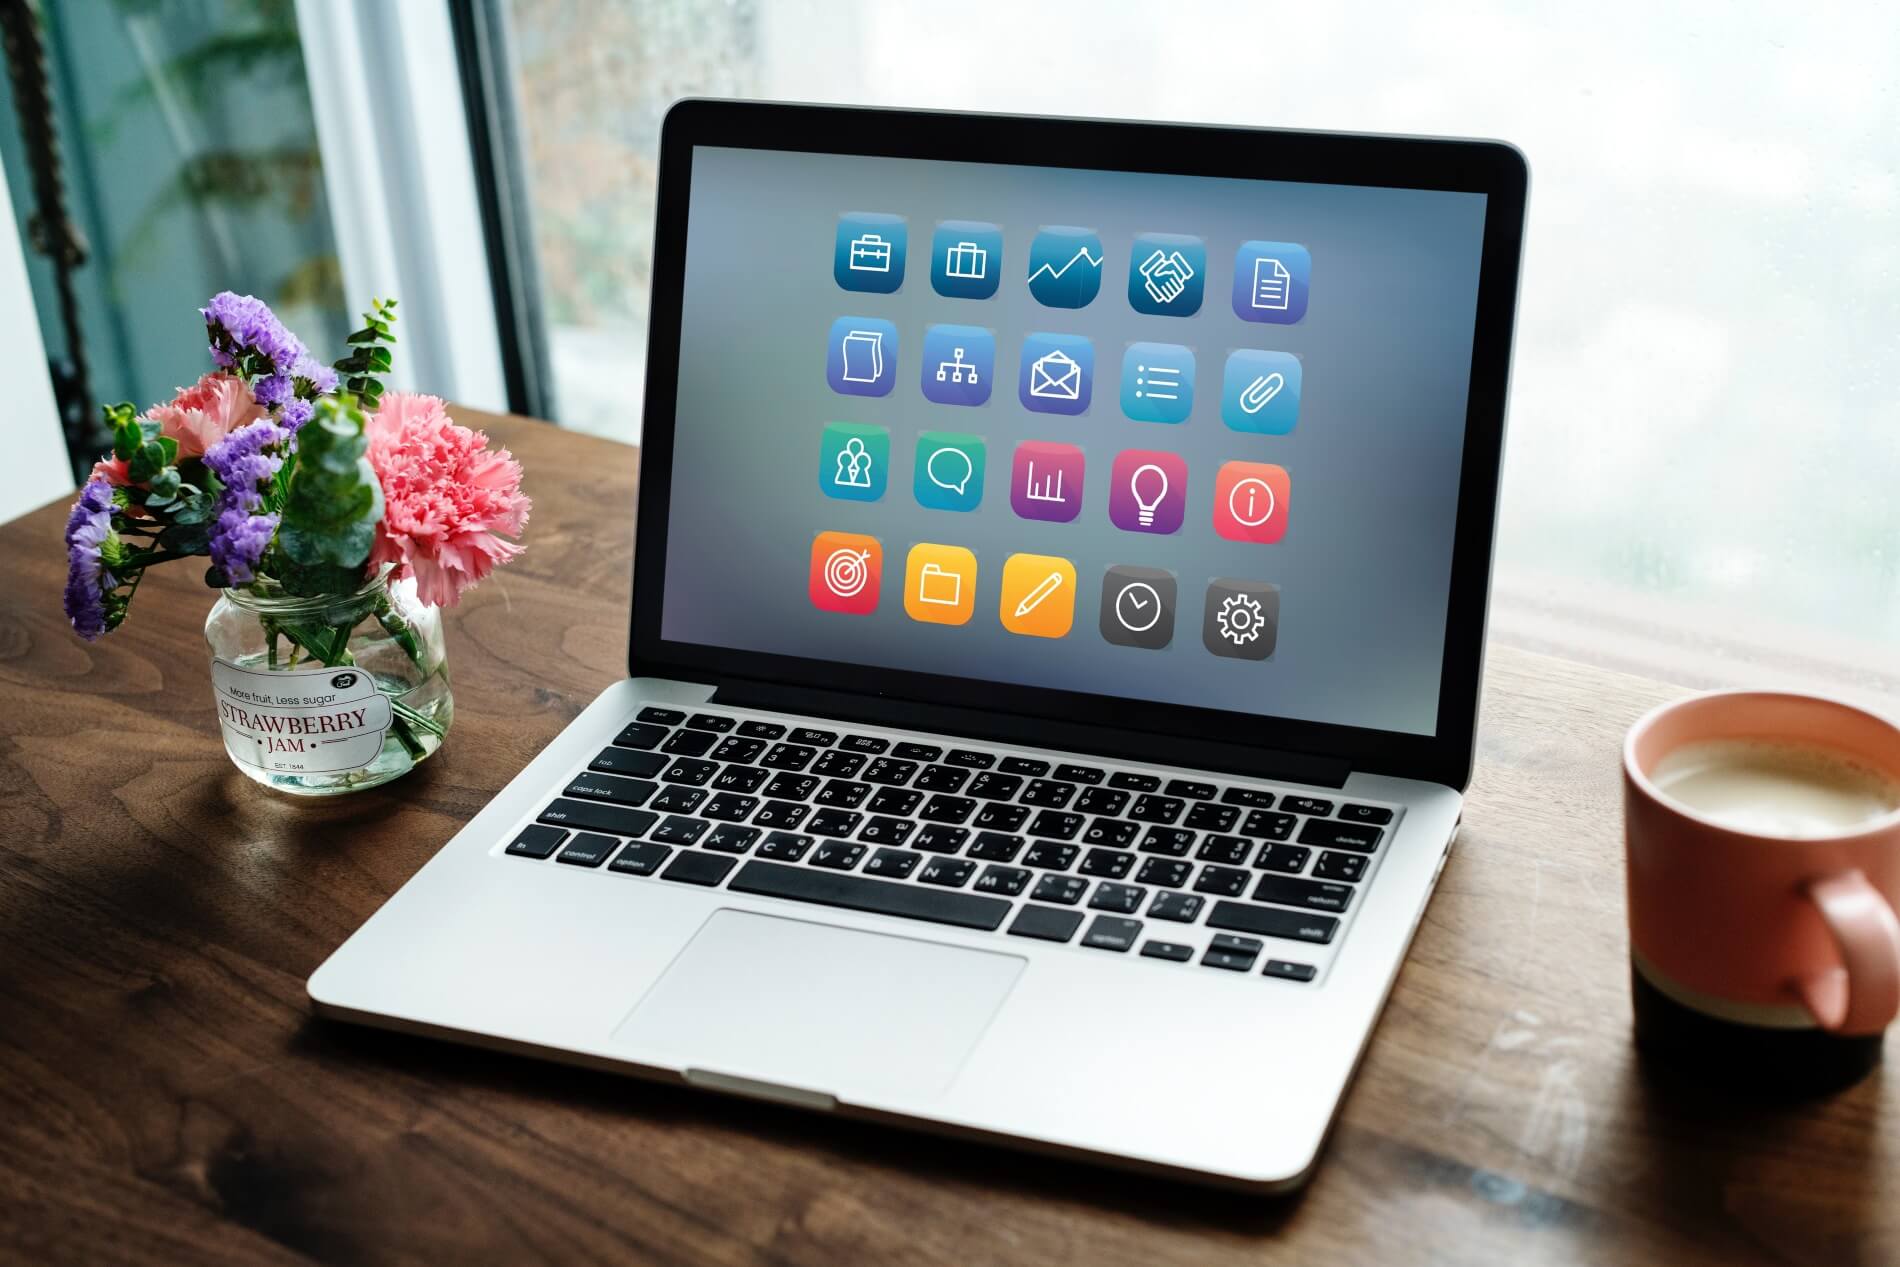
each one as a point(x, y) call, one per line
point(1756, 953)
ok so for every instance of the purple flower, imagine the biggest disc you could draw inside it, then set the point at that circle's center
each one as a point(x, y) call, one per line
point(86, 577)
point(322, 378)
point(246, 335)
point(295, 414)
point(239, 535)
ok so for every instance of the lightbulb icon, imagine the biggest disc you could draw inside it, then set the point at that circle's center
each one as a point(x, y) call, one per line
point(1148, 485)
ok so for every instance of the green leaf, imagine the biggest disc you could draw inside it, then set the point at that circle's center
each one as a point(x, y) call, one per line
point(333, 504)
point(164, 486)
point(150, 458)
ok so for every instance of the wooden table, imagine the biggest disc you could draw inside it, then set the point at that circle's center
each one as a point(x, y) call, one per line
point(166, 1095)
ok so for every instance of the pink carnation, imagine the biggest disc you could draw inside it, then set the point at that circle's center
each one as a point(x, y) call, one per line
point(446, 495)
point(198, 417)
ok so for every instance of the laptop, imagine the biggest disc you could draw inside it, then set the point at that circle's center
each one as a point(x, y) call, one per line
point(1061, 570)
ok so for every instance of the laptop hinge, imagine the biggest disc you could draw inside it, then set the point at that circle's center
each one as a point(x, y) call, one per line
point(1037, 732)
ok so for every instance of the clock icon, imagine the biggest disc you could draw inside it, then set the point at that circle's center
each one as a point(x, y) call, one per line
point(1138, 607)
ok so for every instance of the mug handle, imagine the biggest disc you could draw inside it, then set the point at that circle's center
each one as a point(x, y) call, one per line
point(1863, 995)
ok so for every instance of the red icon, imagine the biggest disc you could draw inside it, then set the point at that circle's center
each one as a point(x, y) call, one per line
point(1250, 502)
point(845, 568)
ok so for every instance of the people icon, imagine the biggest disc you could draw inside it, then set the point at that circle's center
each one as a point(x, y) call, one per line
point(854, 465)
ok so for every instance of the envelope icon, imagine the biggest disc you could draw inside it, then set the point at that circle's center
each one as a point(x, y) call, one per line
point(1056, 377)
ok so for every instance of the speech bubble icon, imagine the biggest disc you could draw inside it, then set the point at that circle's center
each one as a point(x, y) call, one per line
point(950, 468)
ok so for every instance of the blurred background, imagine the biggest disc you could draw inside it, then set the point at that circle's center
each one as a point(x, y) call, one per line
point(1704, 443)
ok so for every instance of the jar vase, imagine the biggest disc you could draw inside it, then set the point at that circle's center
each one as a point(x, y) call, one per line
point(336, 693)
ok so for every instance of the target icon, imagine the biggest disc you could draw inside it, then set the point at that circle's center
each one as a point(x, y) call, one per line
point(846, 571)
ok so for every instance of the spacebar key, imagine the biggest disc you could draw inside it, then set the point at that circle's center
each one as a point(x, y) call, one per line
point(828, 888)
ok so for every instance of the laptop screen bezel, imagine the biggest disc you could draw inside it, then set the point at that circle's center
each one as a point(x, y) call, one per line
point(1490, 168)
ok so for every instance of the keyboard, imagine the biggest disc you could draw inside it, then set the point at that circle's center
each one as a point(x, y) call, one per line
point(1230, 874)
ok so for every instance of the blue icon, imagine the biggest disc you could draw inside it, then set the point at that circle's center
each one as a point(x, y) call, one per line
point(966, 259)
point(958, 364)
point(853, 461)
point(949, 470)
point(1166, 272)
point(1057, 369)
point(1065, 267)
point(861, 357)
point(1260, 392)
point(1270, 280)
point(870, 252)
point(1158, 382)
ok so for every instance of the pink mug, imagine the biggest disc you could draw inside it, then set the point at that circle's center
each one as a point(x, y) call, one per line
point(1773, 955)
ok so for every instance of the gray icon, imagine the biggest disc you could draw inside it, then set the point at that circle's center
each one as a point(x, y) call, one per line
point(1138, 607)
point(1241, 619)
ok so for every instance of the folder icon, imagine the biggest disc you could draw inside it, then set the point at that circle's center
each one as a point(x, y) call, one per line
point(936, 585)
point(940, 584)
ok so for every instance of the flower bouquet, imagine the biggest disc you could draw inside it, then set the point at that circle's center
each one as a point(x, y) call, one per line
point(337, 521)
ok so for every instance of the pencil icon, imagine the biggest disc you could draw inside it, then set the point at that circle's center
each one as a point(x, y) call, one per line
point(1033, 599)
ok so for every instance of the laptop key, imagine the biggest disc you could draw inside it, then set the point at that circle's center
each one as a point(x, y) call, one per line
point(894, 863)
point(1156, 809)
point(1204, 816)
point(843, 793)
point(642, 765)
point(990, 786)
point(788, 756)
point(1192, 789)
point(1024, 765)
point(863, 743)
point(1236, 954)
point(942, 778)
point(1080, 773)
point(1173, 841)
point(735, 748)
point(615, 819)
point(948, 809)
point(838, 764)
point(1225, 881)
point(1182, 908)
point(836, 855)
point(675, 798)
point(680, 830)
point(689, 771)
point(1109, 862)
point(730, 807)
point(887, 831)
point(662, 716)
point(1173, 951)
point(1000, 817)
point(1045, 923)
point(1287, 970)
point(785, 814)
point(1056, 824)
point(791, 787)
point(1232, 850)
point(1049, 793)
point(1272, 921)
point(1376, 814)
point(879, 897)
point(834, 822)
point(761, 729)
point(1286, 859)
point(1134, 782)
point(536, 842)
point(693, 867)
point(1125, 898)
point(967, 757)
point(608, 787)
point(640, 734)
point(996, 846)
point(814, 738)
point(889, 770)
point(1314, 895)
point(1118, 832)
point(1344, 867)
point(1111, 932)
point(1334, 834)
point(917, 751)
point(1101, 800)
point(895, 800)
point(1272, 825)
point(950, 873)
point(711, 721)
point(1066, 889)
point(1248, 797)
point(785, 846)
point(1048, 855)
point(642, 857)
point(1007, 881)
point(939, 838)
point(731, 838)
point(690, 743)
point(1169, 873)
point(1306, 805)
point(740, 778)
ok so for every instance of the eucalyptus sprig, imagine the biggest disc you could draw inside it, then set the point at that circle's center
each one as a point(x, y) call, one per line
point(370, 354)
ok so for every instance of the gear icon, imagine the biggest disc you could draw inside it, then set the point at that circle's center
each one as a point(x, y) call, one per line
point(1240, 618)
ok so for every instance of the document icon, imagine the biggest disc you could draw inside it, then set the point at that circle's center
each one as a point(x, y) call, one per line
point(1270, 282)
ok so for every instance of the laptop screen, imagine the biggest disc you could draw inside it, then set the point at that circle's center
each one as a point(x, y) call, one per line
point(1184, 439)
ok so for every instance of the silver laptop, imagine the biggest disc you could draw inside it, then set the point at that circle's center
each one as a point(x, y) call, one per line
point(1060, 589)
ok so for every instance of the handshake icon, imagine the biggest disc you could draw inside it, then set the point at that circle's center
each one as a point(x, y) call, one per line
point(1165, 276)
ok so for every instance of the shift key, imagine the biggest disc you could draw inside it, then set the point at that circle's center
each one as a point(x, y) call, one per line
point(607, 818)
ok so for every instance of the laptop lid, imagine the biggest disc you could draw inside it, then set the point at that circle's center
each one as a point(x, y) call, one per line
point(1047, 428)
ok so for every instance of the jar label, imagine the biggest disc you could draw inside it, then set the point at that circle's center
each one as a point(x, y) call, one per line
point(300, 721)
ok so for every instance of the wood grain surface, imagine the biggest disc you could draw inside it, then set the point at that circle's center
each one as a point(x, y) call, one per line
point(167, 1096)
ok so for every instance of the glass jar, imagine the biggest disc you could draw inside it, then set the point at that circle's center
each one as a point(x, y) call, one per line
point(318, 696)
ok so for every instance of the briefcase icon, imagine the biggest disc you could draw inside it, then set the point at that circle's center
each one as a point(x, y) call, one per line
point(939, 586)
point(1056, 377)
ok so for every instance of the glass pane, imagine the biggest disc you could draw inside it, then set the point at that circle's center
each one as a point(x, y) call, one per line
point(1703, 424)
point(191, 166)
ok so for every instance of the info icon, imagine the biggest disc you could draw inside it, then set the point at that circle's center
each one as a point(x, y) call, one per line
point(1138, 607)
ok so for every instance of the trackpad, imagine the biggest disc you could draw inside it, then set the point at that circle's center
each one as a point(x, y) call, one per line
point(828, 1010)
